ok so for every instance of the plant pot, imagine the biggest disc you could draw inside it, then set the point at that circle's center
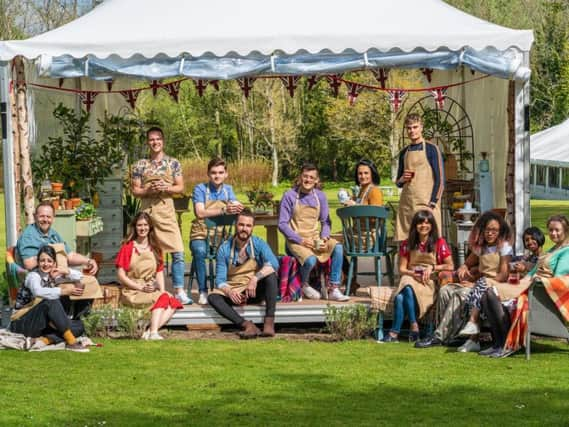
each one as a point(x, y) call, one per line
point(75, 202)
point(68, 204)
point(181, 203)
point(56, 186)
point(55, 204)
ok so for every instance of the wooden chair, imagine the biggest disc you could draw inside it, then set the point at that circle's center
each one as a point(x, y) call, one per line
point(365, 235)
point(219, 229)
point(543, 316)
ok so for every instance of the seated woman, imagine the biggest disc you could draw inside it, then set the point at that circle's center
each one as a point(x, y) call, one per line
point(550, 269)
point(367, 178)
point(533, 240)
point(489, 257)
point(39, 312)
point(423, 254)
point(140, 271)
point(491, 252)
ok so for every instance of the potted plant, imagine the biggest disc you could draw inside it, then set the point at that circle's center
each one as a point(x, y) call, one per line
point(75, 159)
point(261, 200)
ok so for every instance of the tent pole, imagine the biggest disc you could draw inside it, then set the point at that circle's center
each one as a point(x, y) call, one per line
point(8, 156)
point(522, 155)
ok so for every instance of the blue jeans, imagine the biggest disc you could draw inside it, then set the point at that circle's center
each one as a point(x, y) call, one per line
point(404, 302)
point(198, 249)
point(336, 267)
point(178, 268)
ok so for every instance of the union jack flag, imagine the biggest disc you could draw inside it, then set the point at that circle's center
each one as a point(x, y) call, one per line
point(313, 80)
point(396, 99)
point(354, 89)
point(428, 73)
point(109, 84)
point(335, 82)
point(439, 95)
point(381, 75)
point(290, 83)
point(155, 85)
point(173, 89)
point(131, 96)
point(201, 86)
point(61, 80)
point(88, 98)
point(246, 85)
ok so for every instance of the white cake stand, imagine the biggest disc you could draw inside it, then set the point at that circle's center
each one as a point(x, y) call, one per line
point(467, 215)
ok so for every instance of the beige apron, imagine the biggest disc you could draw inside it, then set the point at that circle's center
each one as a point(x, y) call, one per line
point(238, 276)
point(425, 293)
point(199, 229)
point(91, 286)
point(507, 291)
point(304, 222)
point(142, 268)
point(416, 194)
point(161, 210)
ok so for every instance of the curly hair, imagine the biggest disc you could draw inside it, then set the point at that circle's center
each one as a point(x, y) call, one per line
point(477, 241)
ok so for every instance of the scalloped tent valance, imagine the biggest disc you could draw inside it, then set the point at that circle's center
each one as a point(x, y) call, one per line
point(225, 39)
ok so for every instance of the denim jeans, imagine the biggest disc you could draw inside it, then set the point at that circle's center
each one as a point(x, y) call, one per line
point(178, 268)
point(336, 267)
point(198, 249)
point(404, 302)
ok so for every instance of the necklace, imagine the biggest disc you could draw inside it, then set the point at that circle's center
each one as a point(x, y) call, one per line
point(141, 247)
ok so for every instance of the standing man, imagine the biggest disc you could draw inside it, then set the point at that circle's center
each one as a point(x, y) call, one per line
point(303, 211)
point(155, 181)
point(421, 175)
point(246, 272)
point(40, 234)
point(212, 198)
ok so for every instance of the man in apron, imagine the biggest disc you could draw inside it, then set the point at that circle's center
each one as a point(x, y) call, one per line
point(420, 175)
point(302, 210)
point(212, 198)
point(39, 234)
point(246, 273)
point(155, 181)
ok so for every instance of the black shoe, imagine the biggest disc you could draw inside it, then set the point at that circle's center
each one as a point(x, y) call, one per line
point(428, 342)
point(389, 338)
point(413, 336)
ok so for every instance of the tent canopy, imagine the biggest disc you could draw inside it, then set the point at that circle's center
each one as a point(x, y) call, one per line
point(551, 146)
point(224, 39)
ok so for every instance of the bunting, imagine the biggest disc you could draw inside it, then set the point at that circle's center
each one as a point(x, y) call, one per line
point(155, 85)
point(439, 95)
point(290, 83)
point(354, 89)
point(61, 82)
point(335, 81)
point(88, 98)
point(173, 89)
point(396, 99)
point(381, 75)
point(313, 81)
point(428, 73)
point(246, 85)
point(109, 84)
point(131, 96)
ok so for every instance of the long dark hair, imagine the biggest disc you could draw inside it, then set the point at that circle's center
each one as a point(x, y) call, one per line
point(152, 241)
point(374, 173)
point(476, 239)
point(414, 240)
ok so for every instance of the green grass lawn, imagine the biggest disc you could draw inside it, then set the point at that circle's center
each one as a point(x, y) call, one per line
point(279, 382)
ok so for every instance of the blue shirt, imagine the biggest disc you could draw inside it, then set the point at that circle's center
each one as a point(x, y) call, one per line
point(263, 256)
point(206, 191)
point(32, 239)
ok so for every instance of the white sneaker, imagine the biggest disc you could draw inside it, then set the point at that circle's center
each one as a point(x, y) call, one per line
point(145, 335)
point(203, 298)
point(183, 297)
point(155, 336)
point(469, 346)
point(337, 295)
point(470, 329)
point(310, 293)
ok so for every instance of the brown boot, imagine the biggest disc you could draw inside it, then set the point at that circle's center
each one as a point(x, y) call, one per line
point(269, 327)
point(249, 331)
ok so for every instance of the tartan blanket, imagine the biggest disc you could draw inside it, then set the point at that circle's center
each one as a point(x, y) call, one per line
point(290, 284)
point(558, 290)
point(382, 298)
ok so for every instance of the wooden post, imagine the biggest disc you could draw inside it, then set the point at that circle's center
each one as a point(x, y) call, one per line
point(24, 142)
point(16, 153)
point(511, 156)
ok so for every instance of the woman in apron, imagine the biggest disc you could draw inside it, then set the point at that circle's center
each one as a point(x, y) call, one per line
point(210, 199)
point(305, 222)
point(421, 256)
point(140, 271)
point(551, 270)
point(367, 179)
point(490, 257)
point(39, 313)
point(421, 176)
point(155, 181)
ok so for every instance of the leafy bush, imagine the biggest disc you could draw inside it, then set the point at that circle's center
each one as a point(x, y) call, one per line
point(108, 322)
point(349, 322)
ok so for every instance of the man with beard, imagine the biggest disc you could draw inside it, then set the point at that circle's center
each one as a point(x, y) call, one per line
point(246, 273)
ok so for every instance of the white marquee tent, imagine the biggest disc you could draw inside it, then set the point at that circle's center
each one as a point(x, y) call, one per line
point(226, 39)
point(550, 163)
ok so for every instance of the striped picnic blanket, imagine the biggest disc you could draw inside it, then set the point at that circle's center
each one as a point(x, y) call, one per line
point(290, 285)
